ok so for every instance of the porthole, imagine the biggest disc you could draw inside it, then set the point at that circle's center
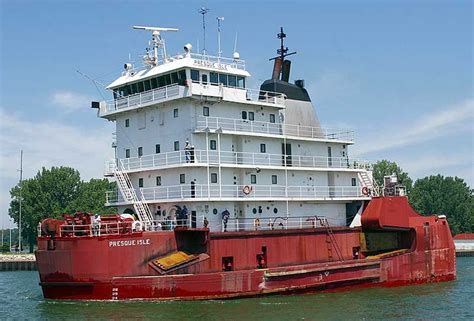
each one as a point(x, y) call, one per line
point(260, 209)
point(214, 211)
point(254, 210)
point(268, 207)
point(275, 210)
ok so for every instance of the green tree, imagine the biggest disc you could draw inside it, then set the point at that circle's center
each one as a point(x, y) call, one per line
point(384, 168)
point(450, 196)
point(90, 197)
point(45, 195)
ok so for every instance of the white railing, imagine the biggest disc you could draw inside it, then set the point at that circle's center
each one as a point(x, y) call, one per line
point(214, 191)
point(272, 223)
point(217, 61)
point(144, 98)
point(241, 125)
point(202, 157)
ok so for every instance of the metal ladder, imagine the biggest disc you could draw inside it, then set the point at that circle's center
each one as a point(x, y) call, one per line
point(369, 183)
point(331, 239)
point(128, 192)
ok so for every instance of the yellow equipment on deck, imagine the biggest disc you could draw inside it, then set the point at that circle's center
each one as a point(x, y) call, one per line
point(173, 260)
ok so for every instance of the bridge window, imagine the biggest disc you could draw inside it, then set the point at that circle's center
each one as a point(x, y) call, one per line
point(223, 79)
point(147, 85)
point(204, 79)
point(214, 77)
point(154, 83)
point(195, 75)
point(134, 88)
point(241, 82)
point(232, 81)
point(140, 87)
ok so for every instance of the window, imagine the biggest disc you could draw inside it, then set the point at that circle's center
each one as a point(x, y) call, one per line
point(134, 88)
point(195, 75)
point(147, 85)
point(154, 83)
point(140, 182)
point(175, 113)
point(204, 79)
point(140, 151)
point(157, 148)
point(214, 77)
point(251, 115)
point(174, 78)
point(182, 178)
point(213, 177)
point(241, 82)
point(274, 179)
point(140, 87)
point(272, 118)
point(176, 145)
point(223, 79)
point(253, 179)
point(168, 79)
point(232, 81)
point(127, 122)
point(354, 182)
point(263, 148)
point(127, 153)
point(158, 180)
point(205, 111)
point(244, 114)
point(213, 144)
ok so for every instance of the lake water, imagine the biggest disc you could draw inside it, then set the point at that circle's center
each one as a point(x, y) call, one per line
point(21, 299)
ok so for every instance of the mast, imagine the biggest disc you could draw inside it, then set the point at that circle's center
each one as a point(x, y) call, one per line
point(203, 11)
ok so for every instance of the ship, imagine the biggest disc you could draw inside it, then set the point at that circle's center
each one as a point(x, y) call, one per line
point(224, 191)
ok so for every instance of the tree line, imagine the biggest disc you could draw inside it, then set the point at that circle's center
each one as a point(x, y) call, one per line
point(59, 190)
point(53, 192)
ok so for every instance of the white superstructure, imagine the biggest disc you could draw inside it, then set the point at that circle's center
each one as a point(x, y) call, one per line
point(190, 133)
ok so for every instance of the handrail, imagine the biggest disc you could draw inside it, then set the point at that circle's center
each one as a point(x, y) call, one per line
point(235, 158)
point(274, 192)
point(244, 125)
point(271, 223)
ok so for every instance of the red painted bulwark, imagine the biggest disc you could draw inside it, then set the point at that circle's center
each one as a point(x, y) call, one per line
point(116, 267)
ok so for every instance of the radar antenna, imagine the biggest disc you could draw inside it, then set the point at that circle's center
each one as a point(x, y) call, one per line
point(158, 42)
point(282, 52)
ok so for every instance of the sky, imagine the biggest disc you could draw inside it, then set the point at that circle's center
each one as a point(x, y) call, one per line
point(398, 73)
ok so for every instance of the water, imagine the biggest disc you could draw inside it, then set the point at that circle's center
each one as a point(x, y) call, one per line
point(21, 299)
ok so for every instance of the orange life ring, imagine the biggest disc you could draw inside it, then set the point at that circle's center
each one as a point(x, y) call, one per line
point(365, 191)
point(247, 189)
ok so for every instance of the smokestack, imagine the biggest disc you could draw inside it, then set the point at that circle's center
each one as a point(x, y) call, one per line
point(285, 74)
point(276, 69)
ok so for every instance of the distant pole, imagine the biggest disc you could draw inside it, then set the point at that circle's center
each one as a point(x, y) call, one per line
point(203, 11)
point(19, 220)
point(2, 237)
point(10, 239)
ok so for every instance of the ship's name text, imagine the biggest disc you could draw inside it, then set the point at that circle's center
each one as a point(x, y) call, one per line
point(129, 242)
point(210, 64)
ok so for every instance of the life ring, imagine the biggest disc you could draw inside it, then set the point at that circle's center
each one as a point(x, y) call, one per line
point(365, 190)
point(137, 226)
point(247, 189)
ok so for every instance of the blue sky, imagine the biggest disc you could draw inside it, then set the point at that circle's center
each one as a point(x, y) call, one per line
point(400, 73)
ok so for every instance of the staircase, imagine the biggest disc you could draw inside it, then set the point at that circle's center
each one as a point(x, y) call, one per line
point(368, 182)
point(331, 239)
point(128, 192)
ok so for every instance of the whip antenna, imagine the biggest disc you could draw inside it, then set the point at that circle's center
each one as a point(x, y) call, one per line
point(203, 11)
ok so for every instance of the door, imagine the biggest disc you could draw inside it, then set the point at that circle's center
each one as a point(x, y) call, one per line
point(286, 151)
point(193, 190)
point(193, 219)
point(329, 156)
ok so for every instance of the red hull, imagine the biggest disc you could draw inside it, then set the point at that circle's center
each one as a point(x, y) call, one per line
point(117, 267)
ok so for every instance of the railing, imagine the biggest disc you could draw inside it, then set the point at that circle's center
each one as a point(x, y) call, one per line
point(241, 125)
point(203, 157)
point(125, 227)
point(216, 61)
point(144, 98)
point(214, 191)
point(272, 223)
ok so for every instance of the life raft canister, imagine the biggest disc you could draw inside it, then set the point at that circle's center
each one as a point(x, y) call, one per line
point(365, 190)
point(247, 189)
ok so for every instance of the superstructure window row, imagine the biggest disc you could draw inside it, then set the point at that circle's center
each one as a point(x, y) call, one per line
point(177, 77)
point(218, 78)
